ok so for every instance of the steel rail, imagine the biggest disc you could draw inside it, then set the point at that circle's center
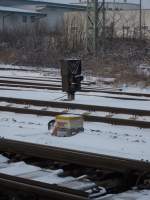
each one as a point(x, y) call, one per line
point(82, 90)
point(42, 80)
point(30, 83)
point(128, 93)
point(32, 79)
point(23, 69)
point(47, 86)
point(15, 69)
point(69, 105)
point(89, 118)
point(38, 83)
point(39, 189)
point(39, 86)
point(31, 86)
point(73, 156)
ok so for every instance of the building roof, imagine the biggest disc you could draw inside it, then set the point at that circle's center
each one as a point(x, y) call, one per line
point(112, 3)
point(18, 10)
point(59, 5)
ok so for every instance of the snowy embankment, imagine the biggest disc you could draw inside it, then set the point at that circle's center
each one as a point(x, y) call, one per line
point(81, 99)
point(121, 141)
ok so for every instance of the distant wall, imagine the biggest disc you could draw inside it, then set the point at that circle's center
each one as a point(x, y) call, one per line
point(12, 21)
point(54, 18)
point(124, 22)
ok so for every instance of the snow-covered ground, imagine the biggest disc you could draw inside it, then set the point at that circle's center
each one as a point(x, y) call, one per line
point(82, 98)
point(130, 195)
point(76, 111)
point(121, 141)
point(53, 72)
point(23, 170)
point(135, 89)
point(52, 95)
point(36, 72)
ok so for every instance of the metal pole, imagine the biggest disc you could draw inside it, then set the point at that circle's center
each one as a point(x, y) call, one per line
point(113, 24)
point(95, 26)
point(140, 20)
point(3, 23)
point(96, 22)
point(92, 25)
point(104, 25)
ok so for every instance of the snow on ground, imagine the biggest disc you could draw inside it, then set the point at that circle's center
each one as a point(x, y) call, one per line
point(28, 71)
point(98, 137)
point(14, 168)
point(46, 72)
point(130, 195)
point(136, 89)
point(76, 111)
point(21, 169)
point(52, 95)
point(29, 74)
point(27, 81)
point(38, 95)
point(121, 141)
point(3, 159)
point(37, 72)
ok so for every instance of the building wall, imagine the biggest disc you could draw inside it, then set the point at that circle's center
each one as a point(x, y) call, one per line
point(10, 2)
point(121, 6)
point(14, 21)
point(125, 22)
point(54, 18)
point(117, 5)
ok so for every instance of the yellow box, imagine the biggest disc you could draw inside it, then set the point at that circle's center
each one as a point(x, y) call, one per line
point(69, 124)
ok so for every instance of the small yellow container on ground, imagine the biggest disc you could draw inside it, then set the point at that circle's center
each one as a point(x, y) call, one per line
point(68, 125)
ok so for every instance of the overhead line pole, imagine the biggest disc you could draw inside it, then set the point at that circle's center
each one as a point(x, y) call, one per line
point(103, 26)
point(95, 26)
point(140, 20)
point(96, 20)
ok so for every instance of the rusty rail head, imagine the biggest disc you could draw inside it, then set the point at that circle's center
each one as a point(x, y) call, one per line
point(73, 156)
point(77, 106)
point(90, 118)
point(110, 120)
point(42, 190)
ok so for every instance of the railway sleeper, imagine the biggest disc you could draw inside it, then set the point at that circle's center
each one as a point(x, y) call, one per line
point(86, 186)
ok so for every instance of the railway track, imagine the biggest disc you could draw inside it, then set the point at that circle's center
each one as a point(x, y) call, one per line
point(88, 118)
point(57, 88)
point(30, 86)
point(72, 156)
point(81, 175)
point(52, 86)
point(93, 176)
point(36, 82)
point(35, 190)
point(27, 181)
point(43, 86)
point(44, 80)
point(69, 105)
point(19, 107)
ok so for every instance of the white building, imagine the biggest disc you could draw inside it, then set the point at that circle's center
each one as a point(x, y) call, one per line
point(26, 13)
point(115, 5)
